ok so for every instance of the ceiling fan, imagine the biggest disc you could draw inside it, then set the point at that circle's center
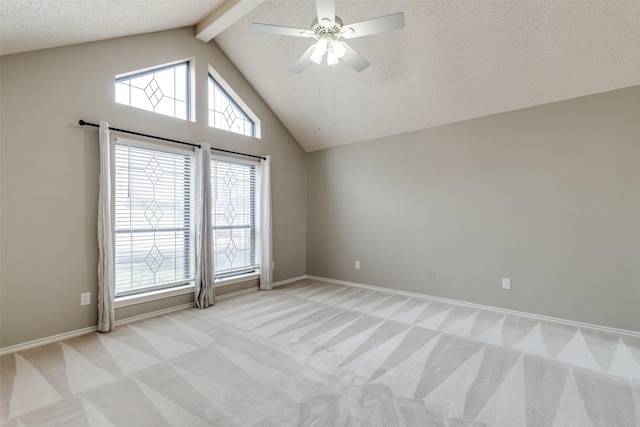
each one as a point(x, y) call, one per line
point(328, 30)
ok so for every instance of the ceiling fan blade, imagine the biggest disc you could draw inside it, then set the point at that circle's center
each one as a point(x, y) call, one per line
point(283, 31)
point(382, 24)
point(304, 60)
point(354, 59)
point(326, 11)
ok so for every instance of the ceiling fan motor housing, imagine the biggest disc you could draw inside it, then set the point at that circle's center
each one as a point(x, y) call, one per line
point(332, 29)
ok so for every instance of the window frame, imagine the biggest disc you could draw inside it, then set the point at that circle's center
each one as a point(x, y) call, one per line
point(254, 228)
point(189, 249)
point(189, 83)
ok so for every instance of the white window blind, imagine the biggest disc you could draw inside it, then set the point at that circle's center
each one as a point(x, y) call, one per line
point(234, 212)
point(154, 227)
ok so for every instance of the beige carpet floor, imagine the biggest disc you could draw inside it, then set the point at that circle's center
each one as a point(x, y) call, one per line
point(320, 354)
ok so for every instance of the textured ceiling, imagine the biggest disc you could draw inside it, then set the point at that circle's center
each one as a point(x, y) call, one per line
point(27, 25)
point(453, 60)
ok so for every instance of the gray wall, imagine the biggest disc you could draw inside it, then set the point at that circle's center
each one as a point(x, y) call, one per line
point(49, 171)
point(547, 196)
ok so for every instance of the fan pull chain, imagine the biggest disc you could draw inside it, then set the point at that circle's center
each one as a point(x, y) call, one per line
point(319, 97)
point(334, 96)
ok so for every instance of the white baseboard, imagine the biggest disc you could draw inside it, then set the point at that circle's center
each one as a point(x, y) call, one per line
point(287, 281)
point(485, 307)
point(84, 331)
point(79, 332)
point(47, 340)
point(236, 293)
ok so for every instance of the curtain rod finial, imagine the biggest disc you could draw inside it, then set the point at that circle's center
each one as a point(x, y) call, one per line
point(82, 122)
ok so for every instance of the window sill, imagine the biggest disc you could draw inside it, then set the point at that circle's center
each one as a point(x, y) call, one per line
point(236, 279)
point(153, 295)
point(128, 300)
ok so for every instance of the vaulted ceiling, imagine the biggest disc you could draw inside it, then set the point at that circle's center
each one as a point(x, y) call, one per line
point(453, 60)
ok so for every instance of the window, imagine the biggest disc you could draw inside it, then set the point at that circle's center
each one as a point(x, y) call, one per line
point(234, 213)
point(163, 90)
point(155, 201)
point(154, 227)
point(227, 111)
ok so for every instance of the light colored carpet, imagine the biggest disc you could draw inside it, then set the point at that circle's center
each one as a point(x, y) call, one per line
point(320, 354)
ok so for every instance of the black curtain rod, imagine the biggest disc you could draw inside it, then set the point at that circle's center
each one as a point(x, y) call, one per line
point(83, 123)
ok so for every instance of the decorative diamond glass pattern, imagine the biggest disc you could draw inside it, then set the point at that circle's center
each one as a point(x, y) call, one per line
point(230, 214)
point(153, 92)
point(230, 179)
point(153, 213)
point(229, 115)
point(153, 170)
point(154, 259)
point(163, 90)
point(231, 251)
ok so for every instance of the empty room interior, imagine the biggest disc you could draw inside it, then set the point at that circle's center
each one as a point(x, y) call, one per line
point(319, 213)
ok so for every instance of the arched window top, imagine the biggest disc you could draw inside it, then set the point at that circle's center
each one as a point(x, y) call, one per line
point(227, 111)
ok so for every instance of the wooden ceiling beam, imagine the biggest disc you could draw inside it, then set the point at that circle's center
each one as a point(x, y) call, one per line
point(223, 17)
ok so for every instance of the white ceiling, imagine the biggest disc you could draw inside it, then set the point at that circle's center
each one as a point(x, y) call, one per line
point(453, 61)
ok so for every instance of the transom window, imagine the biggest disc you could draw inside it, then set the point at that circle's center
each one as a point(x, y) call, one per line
point(234, 213)
point(154, 226)
point(163, 90)
point(225, 112)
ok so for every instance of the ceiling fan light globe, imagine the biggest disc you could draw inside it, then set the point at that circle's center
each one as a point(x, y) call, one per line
point(316, 56)
point(321, 47)
point(338, 48)
point(332, 58)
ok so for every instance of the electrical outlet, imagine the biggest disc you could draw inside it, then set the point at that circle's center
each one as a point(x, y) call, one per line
point(432, 274)
point(85, 298)
point(506, 283)
point(357, 265)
